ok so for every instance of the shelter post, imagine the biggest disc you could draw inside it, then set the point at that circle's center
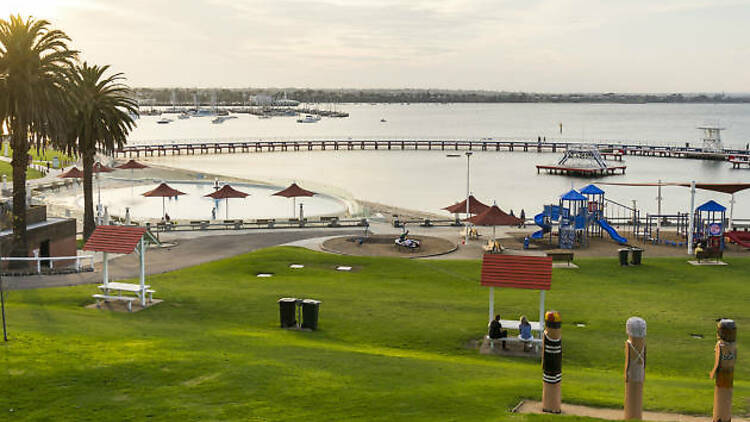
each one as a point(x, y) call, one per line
point(731, 214)
point(105, 268)
point(691, 218)
point(492, 302)
point(541, 310)
point(142, 259)
point(658, 210)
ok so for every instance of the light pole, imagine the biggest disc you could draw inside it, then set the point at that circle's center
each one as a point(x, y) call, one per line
point(468, 192)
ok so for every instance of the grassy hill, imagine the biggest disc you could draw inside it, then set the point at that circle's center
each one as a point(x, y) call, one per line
point(392, 345)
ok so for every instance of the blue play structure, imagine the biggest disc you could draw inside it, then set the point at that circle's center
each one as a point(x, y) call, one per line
point(577, 216)
point(708, 225)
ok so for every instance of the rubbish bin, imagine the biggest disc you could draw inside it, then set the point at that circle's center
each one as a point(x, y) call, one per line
point(287, 309)
point(310, 310)
point(637, 255)
point(623, 253)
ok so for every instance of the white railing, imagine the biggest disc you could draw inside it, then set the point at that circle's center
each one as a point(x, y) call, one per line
point(51, 260)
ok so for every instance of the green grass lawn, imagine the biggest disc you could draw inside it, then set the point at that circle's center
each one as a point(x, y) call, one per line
point(7, 169)
point(392, 343)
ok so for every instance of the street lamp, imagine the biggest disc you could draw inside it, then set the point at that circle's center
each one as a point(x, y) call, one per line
point(468, 192)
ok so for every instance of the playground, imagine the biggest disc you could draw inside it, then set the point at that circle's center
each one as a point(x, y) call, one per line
point(395, 339)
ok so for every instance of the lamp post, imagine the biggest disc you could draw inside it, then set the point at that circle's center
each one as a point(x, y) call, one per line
point(468, 191)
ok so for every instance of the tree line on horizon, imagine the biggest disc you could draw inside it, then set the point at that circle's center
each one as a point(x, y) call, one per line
point(50, 98)
point(242, 96)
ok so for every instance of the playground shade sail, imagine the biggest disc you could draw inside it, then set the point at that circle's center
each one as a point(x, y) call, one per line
point(73, 173)
point(494, 216)
point(716, 187)
point(163, 190)
point(132, 165)
point(475, 207)
point(294, 191)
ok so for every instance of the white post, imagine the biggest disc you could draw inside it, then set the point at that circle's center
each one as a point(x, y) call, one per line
point(78, 263)
point(142, 254)
point(691, 219)
point(492, 303)
point(38, 261)
point(99, 200)
point(731, 213)
point(541, 312)
point(105, 268)
point(658, 211)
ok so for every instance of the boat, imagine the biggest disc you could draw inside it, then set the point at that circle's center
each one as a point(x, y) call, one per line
point(183, 116)
point(164, 121)
point(218, 120)
point(309, 118)
point(383, 120)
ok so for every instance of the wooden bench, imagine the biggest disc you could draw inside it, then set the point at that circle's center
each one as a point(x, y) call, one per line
point(265, 221)
point(199, 224)
point(106, 298)
point(235, 224)
point(561, 255)
point(514, 325)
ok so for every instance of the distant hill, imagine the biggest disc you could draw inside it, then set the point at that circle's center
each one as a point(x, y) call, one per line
point(186, 96)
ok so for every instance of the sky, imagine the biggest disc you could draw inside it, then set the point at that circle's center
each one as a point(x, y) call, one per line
point(507, 45)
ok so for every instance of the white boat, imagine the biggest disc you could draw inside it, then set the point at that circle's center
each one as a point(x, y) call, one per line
point(309, 119)
point(183, 116)
point(164, 121)
point(219, 119)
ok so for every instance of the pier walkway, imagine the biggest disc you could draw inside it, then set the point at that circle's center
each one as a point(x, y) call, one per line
point(613, 151)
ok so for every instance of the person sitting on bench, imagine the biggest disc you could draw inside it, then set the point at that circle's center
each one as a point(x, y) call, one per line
point(524, 329)
point(496, 330)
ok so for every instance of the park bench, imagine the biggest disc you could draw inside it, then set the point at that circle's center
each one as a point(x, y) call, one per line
point(561, 256)
point(106, 298)
point(514, 325)
point(426, 223)
point(235, 224)
point(711, 253)
point(265, 222)
point(199, 224)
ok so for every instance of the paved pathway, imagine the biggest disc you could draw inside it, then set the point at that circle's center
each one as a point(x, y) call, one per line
point(188, 252)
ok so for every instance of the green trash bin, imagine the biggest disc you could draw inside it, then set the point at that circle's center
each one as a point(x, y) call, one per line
point(310, 310)
point(623, 254)
point(287, 311)
point(637, 256)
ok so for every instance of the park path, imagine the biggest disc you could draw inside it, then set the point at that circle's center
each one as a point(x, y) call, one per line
point(187, 253)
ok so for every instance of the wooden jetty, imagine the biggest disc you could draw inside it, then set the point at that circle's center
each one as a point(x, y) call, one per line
point(614, 151)
point(581, 171)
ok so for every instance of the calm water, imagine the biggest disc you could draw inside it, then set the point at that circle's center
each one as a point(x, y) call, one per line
point(662, 123)
point(428, 180)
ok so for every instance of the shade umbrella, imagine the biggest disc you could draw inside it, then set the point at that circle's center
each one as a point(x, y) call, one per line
point(494, 216)
point(73, 173)
point(225, 193)
point(294, 191)
point(475, 207)
point(132, 165)
point(164, 191)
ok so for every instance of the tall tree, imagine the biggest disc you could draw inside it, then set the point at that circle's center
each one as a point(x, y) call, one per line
point(101, 119)
point(34, 62)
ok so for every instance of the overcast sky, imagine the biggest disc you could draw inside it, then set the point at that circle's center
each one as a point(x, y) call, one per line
point(518, 45)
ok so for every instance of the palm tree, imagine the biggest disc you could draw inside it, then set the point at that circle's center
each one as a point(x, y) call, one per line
point(101, 119)
point(34, 60)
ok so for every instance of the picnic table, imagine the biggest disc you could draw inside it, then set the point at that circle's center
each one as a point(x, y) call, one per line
point(510, 324)
point(110, 289)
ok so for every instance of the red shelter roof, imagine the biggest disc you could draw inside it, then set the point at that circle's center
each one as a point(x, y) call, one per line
point(114, 239)
point(163, 190)
point(475, 207)
point(293, 191)
point(519, 271)
point(227, 191)
point(73, 173)
point(132, 165)
point(98, 167)
point(494, 216)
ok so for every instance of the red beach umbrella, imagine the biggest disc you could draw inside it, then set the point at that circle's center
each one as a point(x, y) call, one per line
point(225, 193)
point(164, 191)
point(475, 207)
point(132, 165)
point(494, 216)
point(294, 191)
point(73, 173)
point(98, 167)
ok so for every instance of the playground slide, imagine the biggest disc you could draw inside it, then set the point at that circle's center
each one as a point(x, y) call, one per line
point(539, 220)
point(740, 238)
point(612, 232)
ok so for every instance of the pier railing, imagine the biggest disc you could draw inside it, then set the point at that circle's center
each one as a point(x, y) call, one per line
point(613, 150)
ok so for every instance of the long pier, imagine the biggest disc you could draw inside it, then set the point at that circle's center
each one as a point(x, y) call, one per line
point(612, 150)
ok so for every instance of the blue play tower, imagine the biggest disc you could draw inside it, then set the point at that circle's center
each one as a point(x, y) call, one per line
point(577, 215)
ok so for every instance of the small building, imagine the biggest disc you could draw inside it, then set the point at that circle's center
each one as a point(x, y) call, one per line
point(46, 236)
